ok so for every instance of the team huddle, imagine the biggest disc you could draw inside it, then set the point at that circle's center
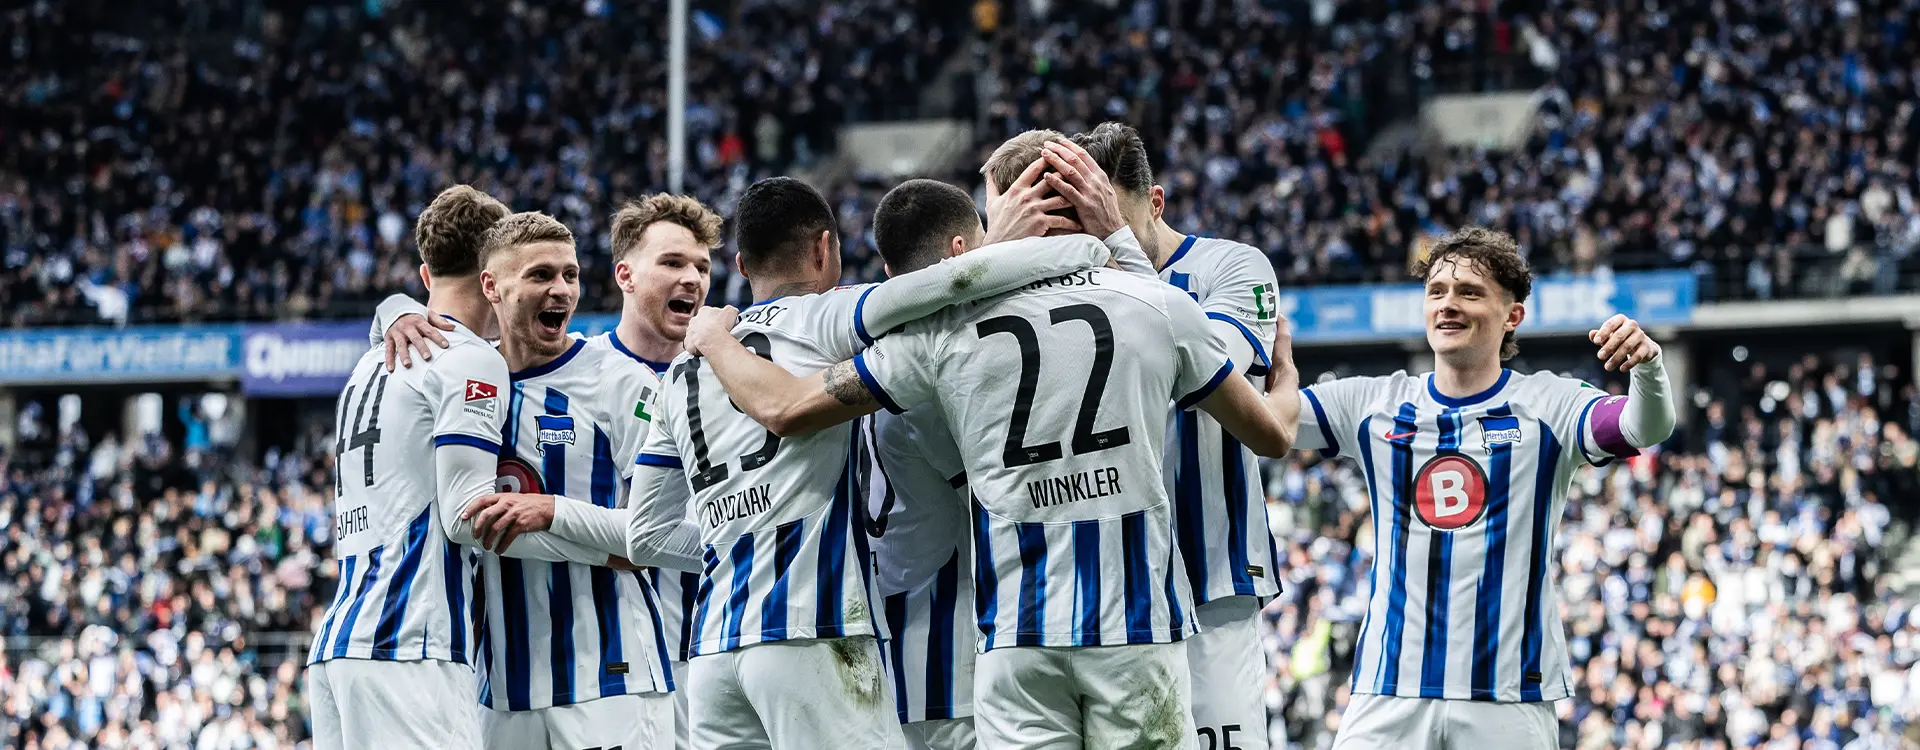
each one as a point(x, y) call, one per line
point(1008, 498)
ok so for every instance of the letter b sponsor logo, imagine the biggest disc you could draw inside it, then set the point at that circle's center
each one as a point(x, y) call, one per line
point(1450, 492)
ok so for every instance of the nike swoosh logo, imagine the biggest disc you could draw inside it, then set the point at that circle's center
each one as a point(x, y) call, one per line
point(1398, 435)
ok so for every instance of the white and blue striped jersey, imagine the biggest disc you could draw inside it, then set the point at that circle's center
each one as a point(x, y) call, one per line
point(1220, 504)
point(404, 587)
point(782, 530)
point(560, 633)
point(1466, 496)
point(1072, 528)
point(917, 525)
point(674, 588)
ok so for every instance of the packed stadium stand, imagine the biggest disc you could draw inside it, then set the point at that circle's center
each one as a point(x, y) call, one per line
point(1748, 584)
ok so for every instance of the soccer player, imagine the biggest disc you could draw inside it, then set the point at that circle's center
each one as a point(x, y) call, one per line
point(1467, 468)
point(389, 666)
point(1079, 593)
point(1220, 505)
point(784, 651)
point(662, 248)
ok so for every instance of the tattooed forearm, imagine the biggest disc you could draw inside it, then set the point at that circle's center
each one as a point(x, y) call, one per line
point(843, 384)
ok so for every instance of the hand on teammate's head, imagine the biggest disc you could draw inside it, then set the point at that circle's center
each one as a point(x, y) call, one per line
point(1023, 209)
point(1083, 184)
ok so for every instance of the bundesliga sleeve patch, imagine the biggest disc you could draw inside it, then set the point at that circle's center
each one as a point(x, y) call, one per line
point(483, 399)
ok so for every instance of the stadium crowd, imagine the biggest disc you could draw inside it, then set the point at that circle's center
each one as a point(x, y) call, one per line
point(231, 160)
point(1726, 591)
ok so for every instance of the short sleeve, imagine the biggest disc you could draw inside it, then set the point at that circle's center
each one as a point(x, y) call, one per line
point(1201, 360)
point(834, 321)
point(1330, 415)
point(468, 387)
point(1243, 295)
point(634, 420)
point(659, 448)
point(899, 369)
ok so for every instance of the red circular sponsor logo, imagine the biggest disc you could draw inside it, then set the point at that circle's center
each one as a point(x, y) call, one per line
point(1450, 492)
point(516, 475)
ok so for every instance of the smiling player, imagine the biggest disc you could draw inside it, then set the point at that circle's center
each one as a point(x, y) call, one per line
point(1467, 468)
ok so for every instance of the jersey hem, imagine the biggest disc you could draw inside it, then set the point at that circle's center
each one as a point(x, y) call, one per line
point(571, 700)
point(1151, 637)
point(712, 647)
point(1475, 696)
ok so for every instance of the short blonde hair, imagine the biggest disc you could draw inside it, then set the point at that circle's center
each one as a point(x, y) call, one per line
point(521, 229)
point(632, 220)
point(1013, 157)
point(448, 233)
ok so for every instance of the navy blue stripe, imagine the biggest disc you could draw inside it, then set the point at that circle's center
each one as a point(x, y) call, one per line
point(655, 459)
point(940, 640)
point(773, 609)
point(1139, 590)
point(344, 638)
point(1219, 376)
point(553, 458)
point(1365, 442)
point(1530, 645)
point(513, 608)
point(603, 487)
point(1433, 659)
point(453, 574)
point(555, 364)
point(613, 337)
point(1326, 428)
point(605, 589)
point(859, 315)
point(857, 523)
point(1086, 579)
point(1190, 521)
point(510, 435)
point(866, 378)
point(702, 601)
point(1238, 533)
point(342, 588)
point(1491, 587)
point(1185, 245)
point(1261, 364)
point(895, 609)
point(1402, 505)
point(830, 613)
point(1176, 614)
point(1033, 583)
point(482, 637)
point(647, 594)
point(741, 557)
point(393, 612)
point(560, 610)
point(458, 439)
point(986, 585)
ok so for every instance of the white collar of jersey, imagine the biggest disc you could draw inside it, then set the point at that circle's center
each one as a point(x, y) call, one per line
point(557, 363)
point(1445, 400)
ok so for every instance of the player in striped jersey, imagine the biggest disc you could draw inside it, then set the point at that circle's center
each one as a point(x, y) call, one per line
point(390, 659)
point(662, 247)
point(1221, 508)
point(1079, 593)
point(783, 647)
point(1467, 468)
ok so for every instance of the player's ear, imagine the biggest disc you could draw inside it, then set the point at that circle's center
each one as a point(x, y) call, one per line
point(957, 246)
point(887, 268)
point(1158, 197)
point(1516, 312)
point(740, 267)
point(426, 279)
point(623, 276)
point(823, 250)
point(489, 286)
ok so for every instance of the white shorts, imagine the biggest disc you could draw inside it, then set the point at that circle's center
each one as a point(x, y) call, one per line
point(793, 695)
point(639, 721)
point(680, 721)
point(940, 734)
point(1093, 697)
point(1229, 676)
point(1373, 721)
point(404, 705)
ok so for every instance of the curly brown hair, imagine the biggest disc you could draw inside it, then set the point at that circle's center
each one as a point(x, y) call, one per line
point(448, 232)
point(633, 219)
point(1495, 255)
